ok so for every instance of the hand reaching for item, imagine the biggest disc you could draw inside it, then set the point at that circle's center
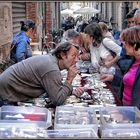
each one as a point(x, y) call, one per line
point(79, 91)
point(106, 77)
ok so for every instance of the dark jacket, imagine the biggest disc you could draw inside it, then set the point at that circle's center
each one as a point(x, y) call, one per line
point(136, 89)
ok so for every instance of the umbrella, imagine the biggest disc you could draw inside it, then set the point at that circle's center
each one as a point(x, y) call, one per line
point(86, 10)
point(66, 12)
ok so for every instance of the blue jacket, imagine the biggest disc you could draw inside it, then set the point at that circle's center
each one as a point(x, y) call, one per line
point(22, 49)
point(136, 88)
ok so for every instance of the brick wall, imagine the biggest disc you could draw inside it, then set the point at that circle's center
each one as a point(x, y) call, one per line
point(31, 13)
point(4, 51)
point(48, 18)
point(5, 29)
point(31, 10)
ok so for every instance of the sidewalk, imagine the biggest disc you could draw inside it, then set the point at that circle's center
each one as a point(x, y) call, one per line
point(37, 53)
point(35, 49)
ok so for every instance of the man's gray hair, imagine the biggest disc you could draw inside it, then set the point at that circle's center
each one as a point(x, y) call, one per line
point(71, 33)
point(61, 47)
point(137, 13)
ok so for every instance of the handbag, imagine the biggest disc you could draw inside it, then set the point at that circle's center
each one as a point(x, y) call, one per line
point(111, 52)
point(8, 61)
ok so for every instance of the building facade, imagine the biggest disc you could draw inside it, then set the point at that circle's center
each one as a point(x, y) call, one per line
point(45, 14)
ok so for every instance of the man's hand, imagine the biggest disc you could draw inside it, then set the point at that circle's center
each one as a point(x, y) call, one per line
point(85, 56)
point(72, 72)
point(106, 77)
point(79, 91)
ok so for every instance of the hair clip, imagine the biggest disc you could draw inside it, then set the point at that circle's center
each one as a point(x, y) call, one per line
point(135, 46)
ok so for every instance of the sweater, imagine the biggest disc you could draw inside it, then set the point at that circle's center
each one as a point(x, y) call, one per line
point(32, 77)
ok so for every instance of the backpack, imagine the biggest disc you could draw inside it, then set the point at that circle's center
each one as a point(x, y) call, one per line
point(8, 61)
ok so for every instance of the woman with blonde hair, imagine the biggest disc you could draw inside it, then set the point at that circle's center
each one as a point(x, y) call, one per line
point(84, 48)
point(105, 30)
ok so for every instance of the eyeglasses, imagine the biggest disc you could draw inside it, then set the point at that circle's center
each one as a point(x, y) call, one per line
point(131, 22)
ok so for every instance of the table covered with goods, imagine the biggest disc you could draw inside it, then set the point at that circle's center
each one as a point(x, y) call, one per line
point(95, 114)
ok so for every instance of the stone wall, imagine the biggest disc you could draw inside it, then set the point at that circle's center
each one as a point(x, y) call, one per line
point(5, 29)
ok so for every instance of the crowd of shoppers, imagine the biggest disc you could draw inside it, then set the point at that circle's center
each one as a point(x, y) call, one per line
point(33, 76)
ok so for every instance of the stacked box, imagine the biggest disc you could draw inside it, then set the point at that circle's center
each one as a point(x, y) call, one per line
point(20, 129)
point(38, 115)
point(120, 122)
point(74, 117)
point(27, 122)
point(71, 133)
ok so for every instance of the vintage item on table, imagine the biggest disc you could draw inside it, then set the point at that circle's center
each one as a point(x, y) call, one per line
point(40, 102)
point(72, 99)
point(85, 95)
point(77, 81)
point(83, 66)
point(105, 70)
point(103, 96)
point(96, 92)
